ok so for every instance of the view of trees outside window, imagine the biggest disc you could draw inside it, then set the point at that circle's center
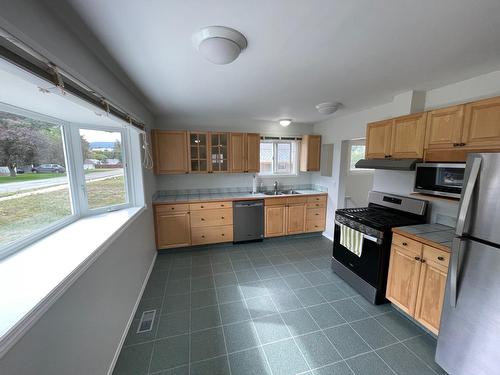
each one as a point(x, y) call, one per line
point(34, 186)
point(102, 153)
point(34, 189)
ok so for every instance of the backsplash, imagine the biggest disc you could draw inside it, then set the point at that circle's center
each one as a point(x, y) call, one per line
point(241, 189)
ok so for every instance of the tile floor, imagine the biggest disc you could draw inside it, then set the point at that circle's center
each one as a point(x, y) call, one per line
point(272, 307)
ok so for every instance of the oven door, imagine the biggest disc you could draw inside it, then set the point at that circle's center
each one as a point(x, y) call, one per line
point(440, 179)
point(369, 266)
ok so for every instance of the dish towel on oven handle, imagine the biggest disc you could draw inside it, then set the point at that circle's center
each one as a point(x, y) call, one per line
point(351, 239)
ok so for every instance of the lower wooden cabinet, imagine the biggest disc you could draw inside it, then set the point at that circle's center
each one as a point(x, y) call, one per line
point(417, 280)
point(294, 215)
point(178, 225)
point(173, 229)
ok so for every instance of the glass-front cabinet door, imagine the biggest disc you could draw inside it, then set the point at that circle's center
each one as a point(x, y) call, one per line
point(219, 152)
point(198, 150)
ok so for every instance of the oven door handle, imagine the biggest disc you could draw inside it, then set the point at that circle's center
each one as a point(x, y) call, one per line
point(365, 236)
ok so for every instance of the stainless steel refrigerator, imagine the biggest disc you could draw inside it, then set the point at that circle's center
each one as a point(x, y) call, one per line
point(469, 334)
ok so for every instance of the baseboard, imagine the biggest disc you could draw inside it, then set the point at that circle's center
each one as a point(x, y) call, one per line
point(327, 235)
point(131, 319)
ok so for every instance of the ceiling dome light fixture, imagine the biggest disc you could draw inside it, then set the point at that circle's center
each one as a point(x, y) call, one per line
point(219, 44)
point(285, 122)
point(328, 108)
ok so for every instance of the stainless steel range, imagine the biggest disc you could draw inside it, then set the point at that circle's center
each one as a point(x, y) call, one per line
point(368, 273)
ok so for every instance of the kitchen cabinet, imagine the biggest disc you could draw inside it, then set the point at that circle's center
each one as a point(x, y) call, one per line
point(431, 289)
point(198, 152)
point(310, 153)
point(172, 226)
point(219, 152)
point(245, 152)
point(417, 280)
point(294, 215)
point(211, 222)
point(378, 139)
point(482, 124)
point(170, 151)
point(408, 136)
point(444, 127)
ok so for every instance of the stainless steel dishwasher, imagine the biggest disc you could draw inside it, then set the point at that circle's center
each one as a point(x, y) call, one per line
point(248, 220)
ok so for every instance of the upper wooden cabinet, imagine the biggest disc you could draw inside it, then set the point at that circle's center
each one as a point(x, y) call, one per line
point(170, 151)
point(219, 152)
point(399, 138)
point(198, 152)
point(310, 153)
point(253, 152)
point(245, 152)
point(378, 139)
point(482, 124)
point(444, 127)
point(408, 135)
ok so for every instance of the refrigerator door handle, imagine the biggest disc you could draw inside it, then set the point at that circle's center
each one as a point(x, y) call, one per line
point(467, 196)
point(456, 248)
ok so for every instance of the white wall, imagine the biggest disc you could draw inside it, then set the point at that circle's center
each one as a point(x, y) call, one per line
point(193, 181)
point(353, 125)
point(80, 333)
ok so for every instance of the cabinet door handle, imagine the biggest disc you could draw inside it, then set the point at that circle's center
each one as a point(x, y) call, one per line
point(463, 144)
point(441, 258)
point(417, 258)
point(202, 236)
point(423, 260)
point(317, 214)
point(172, 208)
point(222, 234)
point(202, 219)
point(222, 217)
point(405, 243)
point(202, 206)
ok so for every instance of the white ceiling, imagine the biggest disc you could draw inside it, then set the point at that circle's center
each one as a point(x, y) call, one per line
point(300, 53)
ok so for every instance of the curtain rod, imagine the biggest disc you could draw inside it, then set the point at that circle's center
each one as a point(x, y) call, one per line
point(22, 56)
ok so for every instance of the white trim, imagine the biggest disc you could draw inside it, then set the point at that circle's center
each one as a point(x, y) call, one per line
point(10, 338)
point(131, 318)
point(325, 234)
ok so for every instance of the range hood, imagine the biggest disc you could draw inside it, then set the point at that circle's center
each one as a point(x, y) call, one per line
point(392, 164)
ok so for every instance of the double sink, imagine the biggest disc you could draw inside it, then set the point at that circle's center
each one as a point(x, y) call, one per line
point(281, 192)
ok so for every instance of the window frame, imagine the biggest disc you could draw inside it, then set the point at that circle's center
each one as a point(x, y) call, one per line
point(356, 171)
point(294, 161)
point(70, 134)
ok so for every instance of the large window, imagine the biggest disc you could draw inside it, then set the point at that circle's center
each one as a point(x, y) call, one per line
point(278, 157)
point(53, 172)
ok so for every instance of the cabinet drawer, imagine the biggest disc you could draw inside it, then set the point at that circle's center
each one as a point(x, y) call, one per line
point(317, 199)
point(316, 204)
point(407, 243)
point(436, 256)
point(208, 235)
point(175, 208)
point(275, 201)
point(209, 205)
point(295, 200)
point(210, 218)
point(316, 214)
point(315, 226)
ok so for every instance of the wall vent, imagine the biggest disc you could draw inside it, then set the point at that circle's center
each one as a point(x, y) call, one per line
point(147, 320)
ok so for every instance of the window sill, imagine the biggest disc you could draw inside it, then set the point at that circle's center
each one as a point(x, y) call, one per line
point(29, 282)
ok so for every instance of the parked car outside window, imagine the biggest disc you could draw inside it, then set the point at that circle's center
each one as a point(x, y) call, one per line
point(48, 168)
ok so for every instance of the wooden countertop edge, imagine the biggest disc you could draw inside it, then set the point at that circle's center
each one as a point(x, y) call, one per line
point(423, 240)
point(237, 199)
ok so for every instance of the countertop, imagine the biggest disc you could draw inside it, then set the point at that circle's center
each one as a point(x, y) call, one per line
point(193, 198)
point(437, 235)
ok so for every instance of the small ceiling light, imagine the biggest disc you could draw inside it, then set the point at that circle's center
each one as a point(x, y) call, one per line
point(328, 108)
point(220, 45)
point(285, 122)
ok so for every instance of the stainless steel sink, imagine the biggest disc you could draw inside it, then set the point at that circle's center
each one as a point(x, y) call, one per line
point(281, 192)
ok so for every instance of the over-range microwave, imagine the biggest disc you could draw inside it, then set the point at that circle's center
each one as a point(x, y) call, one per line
point(440, 179)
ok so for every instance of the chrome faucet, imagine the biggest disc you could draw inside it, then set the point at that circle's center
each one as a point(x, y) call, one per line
point(275, 187)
